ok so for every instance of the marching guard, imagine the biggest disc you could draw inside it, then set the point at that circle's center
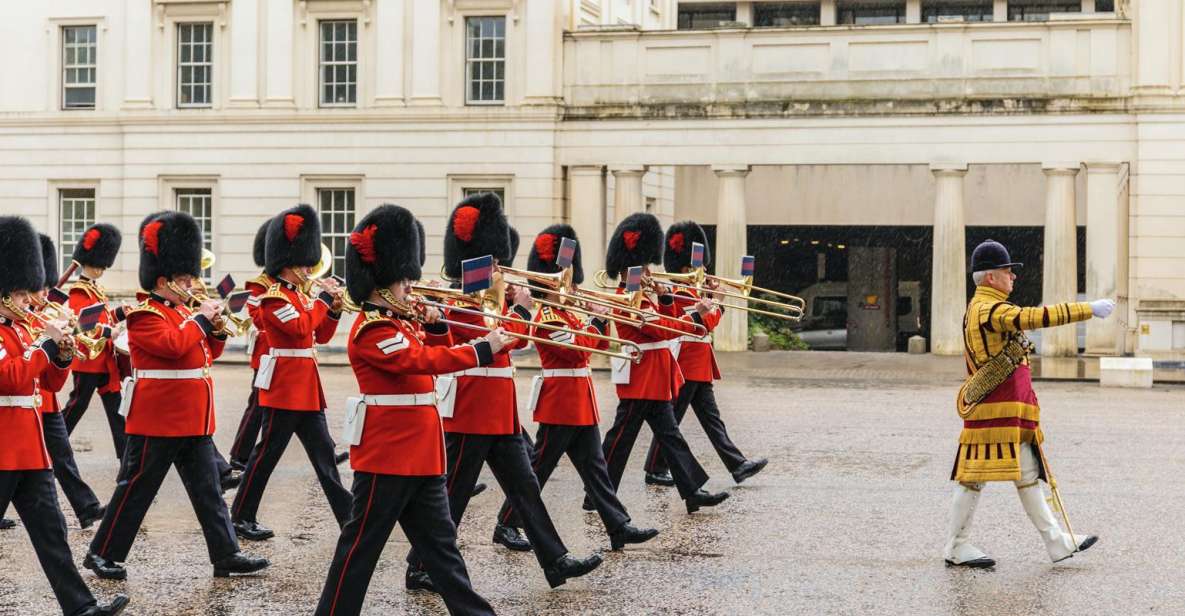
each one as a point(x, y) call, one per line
point(94, 253)
point(697, 361)
point(248, 432)
point(646, 389)
point(1001, 437)
point(291, 399)
point(481, 423)
point(82, 499)
point(170, 406)
point(394, 360)
point(25, 476)
point(564, 404)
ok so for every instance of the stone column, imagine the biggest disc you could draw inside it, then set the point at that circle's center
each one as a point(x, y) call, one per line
point(1106, 255)
point(586, 201)
point(425, 54)
point(948, 286)
point(627, 190)
point(731, 226)
point(1060, 272)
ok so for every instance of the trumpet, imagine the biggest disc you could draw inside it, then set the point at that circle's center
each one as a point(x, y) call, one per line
point(233, 325)
point(88, 348)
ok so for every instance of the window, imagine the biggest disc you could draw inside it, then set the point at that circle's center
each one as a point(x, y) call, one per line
point(1039, 10)
point(870, 13)
point(485, 60)
point(700, 16)
point(336, 206)
point(339, 63)
point(470, 191)
point(199, 203)
point(904, 305)
point(973, 10)
point(76, 212)
point(1104, 6)
point(80, 64)
point(195, 64)
point(781, 14)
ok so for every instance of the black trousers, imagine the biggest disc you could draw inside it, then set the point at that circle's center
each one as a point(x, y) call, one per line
point(248, 432)
point(619, 441)
point(57, 441)
point(143, 469)
point(701, 397)
point(508, 459)
point(36, 501)
point(582, 444)
point(85, 384)
point(420, 506)
point(278, 427)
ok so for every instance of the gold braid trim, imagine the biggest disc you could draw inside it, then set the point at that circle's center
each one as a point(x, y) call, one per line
point(143, 307)
point(274, 292)
point(992, 374)
point(90, 288)
point(372, 317)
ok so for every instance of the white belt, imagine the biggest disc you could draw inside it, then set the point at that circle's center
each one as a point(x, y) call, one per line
point(654, 346)
point(425, 399)
point(173, 375)
point(489, 373)
point(705, 339)
point(309, 353)
point(26, 402)
point(565, 372)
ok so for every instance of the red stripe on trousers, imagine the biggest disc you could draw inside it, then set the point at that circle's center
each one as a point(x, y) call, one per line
point(124, 500)
point(262, 449)
point(457, 466)
point(361, 529)
point(613, 447)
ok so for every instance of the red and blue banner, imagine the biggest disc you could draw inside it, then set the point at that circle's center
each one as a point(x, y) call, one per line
point(697, 255)
point(633, 279)
point(89, 317)
point(58, 296)
point(747, 265)
point(477, 274)
point(225, 286)
point(566, 254)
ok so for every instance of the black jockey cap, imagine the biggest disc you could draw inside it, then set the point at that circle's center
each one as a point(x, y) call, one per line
point(991, 255)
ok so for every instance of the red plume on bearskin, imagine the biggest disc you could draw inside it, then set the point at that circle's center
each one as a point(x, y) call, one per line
point(292, 225)
point(545, 247)
point(637, 240)
point(363, 242)
point(680, 237)
point(676, 242)
point(90, 237)
point(151, 237)
point(631, 239)
point(464, 222)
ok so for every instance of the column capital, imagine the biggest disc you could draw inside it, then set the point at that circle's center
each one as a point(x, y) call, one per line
point(948, 168)
point(617, 170)
point(726, 170)
point(1060, 168)
point(1102, 166)
point(586, 170)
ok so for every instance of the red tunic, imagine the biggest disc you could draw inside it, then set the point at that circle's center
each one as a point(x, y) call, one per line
point(164, 336)
point(566, 400)
point(52, 379)
point(258, 286)
point(21, 368)
point(696, 358)
point(292, 322)
point(84, 293)
point(486, 405)
point(389, 356)
point(657, 377)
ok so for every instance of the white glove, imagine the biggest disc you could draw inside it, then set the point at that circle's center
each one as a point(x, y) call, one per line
point(1102, 308)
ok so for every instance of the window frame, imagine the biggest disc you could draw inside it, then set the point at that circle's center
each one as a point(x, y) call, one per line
point(470, 62)
point(210, 64)
point(704, 7)
point(64, 67)
point(900, 8)
point(337, 240)
point(321, 64)
point(66, 248)
point(760, 7)
point(459, 183)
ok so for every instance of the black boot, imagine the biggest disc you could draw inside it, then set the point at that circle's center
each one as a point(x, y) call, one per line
point(629, 534)
point(703, 498)
point(660, 479)
point(748, 468)
point(567, 568)
point(511, 538)
point(587, 505)
point(230, 480)
point(252, 531)
point(478, 488)
point(341, 457)
point(88, 519)
point(6, 523)
point(111, 609)
point(104, 568)
point(239, 563)
point(417, 579)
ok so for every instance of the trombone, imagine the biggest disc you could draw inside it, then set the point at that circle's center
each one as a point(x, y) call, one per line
point(791, 310)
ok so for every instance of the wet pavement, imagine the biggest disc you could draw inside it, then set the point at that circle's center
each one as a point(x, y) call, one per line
point(848, 518)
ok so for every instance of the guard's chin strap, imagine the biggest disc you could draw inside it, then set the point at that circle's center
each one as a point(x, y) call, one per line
point(18, 313)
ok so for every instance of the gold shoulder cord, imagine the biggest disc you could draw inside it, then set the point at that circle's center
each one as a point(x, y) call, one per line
point(992, 374)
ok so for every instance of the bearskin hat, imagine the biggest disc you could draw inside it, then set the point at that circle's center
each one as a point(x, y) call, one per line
point(423, 242)
point(170, 245)
point(676, 250)
point(384, 248)
point(293, 239)
point(259, 248)
point(99, 246)
point(514, 242)
point(49, 257)
point(637, 240)
point(547, 247)
point(477, 227)
point(23, 269)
